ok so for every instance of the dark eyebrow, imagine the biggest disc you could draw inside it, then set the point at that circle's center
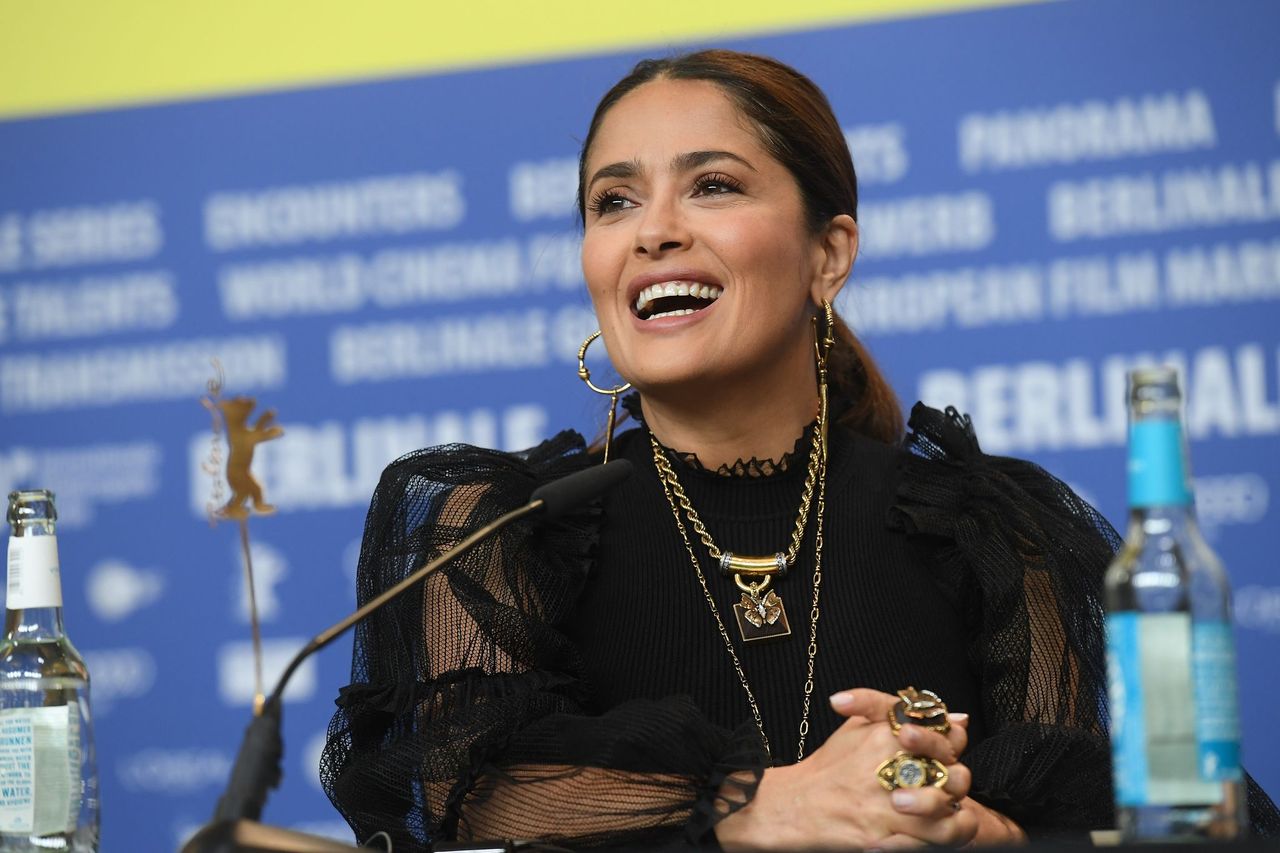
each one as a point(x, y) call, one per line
point(626, 169)
point(697, 159)
point(680, 163)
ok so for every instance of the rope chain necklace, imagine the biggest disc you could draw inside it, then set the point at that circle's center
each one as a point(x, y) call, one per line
point(754, 611)
point(760, 615)
point(678, 500)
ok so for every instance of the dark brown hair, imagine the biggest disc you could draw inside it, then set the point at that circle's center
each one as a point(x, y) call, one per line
point(796, 125)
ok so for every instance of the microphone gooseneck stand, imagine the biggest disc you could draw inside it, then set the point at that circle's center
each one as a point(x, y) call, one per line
point(234, 828)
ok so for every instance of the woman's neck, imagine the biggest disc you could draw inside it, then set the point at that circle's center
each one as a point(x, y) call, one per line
point(726, 423)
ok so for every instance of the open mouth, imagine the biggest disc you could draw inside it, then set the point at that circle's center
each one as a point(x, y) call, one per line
point(674, 298)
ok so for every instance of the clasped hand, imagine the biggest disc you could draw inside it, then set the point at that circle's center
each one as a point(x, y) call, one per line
point(833, 799)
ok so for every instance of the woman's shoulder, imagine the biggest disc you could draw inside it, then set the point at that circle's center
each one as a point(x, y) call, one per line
point(427, 499)
point(989, 506)
point(945, 461)
point(938, 444)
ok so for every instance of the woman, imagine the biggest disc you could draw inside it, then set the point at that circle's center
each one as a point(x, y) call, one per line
point(601, 679)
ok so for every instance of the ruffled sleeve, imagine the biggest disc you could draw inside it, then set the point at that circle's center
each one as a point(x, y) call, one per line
point(1025, 557)
point(465, 719)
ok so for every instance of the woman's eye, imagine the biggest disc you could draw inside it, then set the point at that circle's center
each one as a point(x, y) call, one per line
point(716, 185)
point(609, 202)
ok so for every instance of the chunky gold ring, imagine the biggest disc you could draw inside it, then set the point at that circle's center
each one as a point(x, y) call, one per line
point(919, 708)
point(911, 771)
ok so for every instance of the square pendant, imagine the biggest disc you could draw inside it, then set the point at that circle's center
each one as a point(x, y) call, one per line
point(766, 631)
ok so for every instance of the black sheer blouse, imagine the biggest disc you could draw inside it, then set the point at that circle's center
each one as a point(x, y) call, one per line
point(567, 681)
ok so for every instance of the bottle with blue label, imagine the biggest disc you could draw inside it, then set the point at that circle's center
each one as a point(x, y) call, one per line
point(1175, 729)
point(48, 776)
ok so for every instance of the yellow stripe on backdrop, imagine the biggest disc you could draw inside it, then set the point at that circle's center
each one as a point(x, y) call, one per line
point(61, 56)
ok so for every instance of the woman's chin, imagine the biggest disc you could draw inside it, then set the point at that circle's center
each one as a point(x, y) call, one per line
point(679, 380)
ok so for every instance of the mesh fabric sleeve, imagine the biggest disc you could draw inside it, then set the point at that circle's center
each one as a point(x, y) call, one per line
point(1025, 557)
point(464, 718)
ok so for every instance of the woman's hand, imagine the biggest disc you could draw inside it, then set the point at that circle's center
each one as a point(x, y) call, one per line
point(833, 799)
point(993, 828)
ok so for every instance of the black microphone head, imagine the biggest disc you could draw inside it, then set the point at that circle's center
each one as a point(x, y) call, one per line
point(560, 496)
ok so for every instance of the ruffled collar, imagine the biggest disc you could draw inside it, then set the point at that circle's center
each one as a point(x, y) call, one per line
point(742, 468)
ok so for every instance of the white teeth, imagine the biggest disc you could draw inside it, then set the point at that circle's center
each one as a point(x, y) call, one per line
point(679, 313)
point(676, 288)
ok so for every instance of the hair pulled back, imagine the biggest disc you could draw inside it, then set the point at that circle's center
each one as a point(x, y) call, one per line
point(796, 125)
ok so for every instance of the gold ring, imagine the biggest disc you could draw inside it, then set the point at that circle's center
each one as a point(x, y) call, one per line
point(911, 771)
point(919, 708)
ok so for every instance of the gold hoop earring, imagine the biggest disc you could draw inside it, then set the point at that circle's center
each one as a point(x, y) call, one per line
point(612, 393)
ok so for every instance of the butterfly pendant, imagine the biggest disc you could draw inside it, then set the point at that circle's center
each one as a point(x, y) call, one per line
point(761, 618)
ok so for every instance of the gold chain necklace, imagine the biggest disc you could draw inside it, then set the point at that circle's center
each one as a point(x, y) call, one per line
point(752, 605)
point(765, 567)
point(760, 614)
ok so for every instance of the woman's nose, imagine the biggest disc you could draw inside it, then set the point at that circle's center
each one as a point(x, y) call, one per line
point(662, 228)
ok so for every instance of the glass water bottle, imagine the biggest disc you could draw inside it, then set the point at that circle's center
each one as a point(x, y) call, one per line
point(1170, 653)
point(48, 775)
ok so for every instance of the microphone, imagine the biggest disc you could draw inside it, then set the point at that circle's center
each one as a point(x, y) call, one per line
point(560, 496)
point(257, 767)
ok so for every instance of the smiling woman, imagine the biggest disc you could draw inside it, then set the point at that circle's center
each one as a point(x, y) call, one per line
point(727, 172)
point(685, 192)
point(630, 674)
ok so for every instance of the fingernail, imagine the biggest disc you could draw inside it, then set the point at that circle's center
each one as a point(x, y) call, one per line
point(903, 799)
point(841, 701)
point(958, 719)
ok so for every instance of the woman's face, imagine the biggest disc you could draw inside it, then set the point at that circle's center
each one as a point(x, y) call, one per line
point(695, 249)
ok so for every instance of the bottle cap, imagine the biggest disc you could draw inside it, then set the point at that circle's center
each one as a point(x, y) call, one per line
point(1160, 374)
point(31, 505)
point(1154, 390)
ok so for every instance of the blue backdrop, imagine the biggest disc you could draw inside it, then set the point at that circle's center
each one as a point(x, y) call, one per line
point(1051, 194)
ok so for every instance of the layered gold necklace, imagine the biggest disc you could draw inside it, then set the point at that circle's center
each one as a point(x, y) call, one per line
point(760, 612)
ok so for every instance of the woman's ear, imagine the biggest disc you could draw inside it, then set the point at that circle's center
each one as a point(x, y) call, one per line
point(837, 248)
